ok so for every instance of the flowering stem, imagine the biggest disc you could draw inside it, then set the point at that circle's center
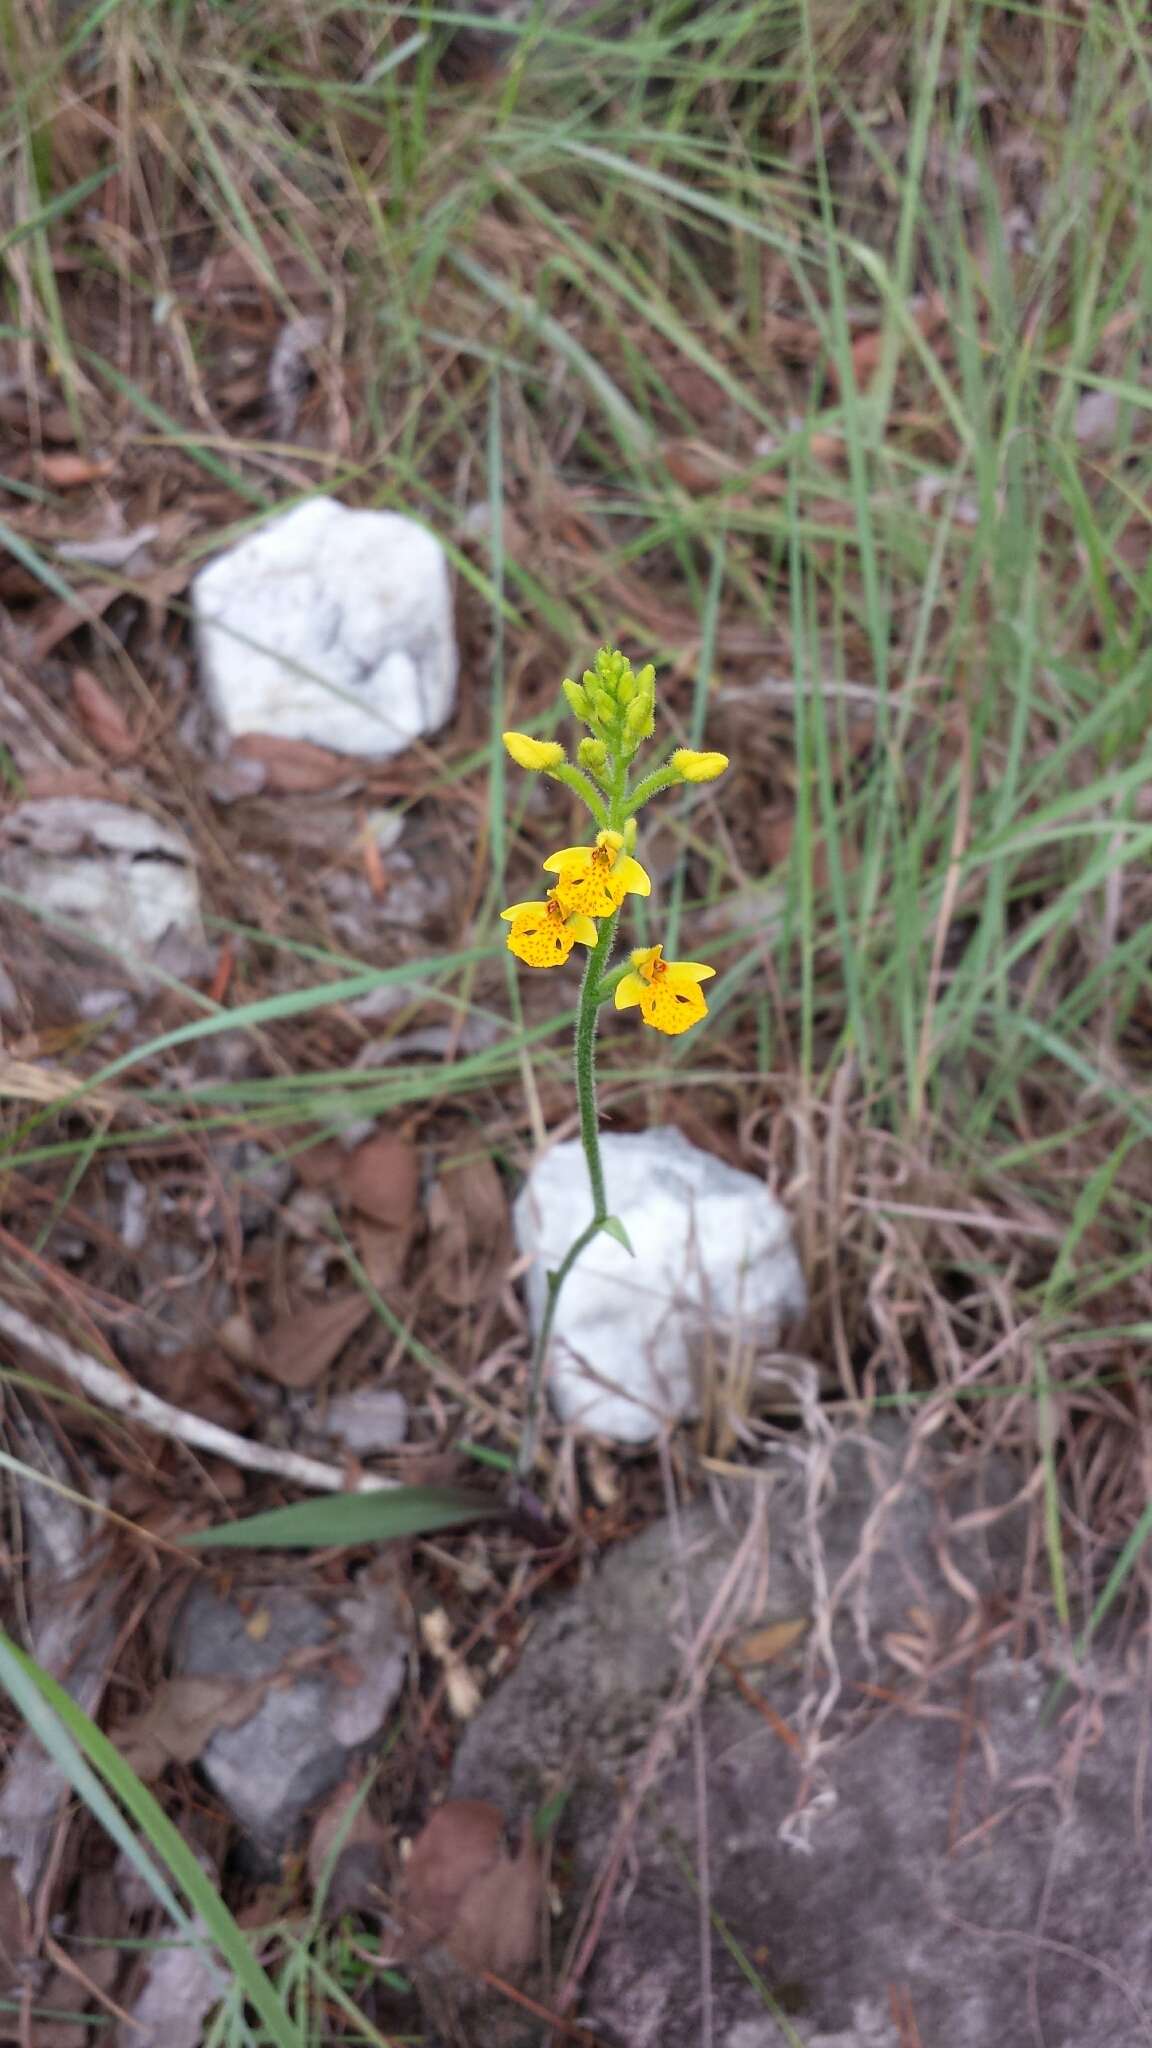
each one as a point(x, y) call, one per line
point(660, 778)
point(586, 1018)
point(586, 790)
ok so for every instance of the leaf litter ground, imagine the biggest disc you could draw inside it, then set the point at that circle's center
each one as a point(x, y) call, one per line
point(802, 355)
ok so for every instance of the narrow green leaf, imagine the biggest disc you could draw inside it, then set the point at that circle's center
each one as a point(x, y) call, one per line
point(54, 209)
point(348, 1518)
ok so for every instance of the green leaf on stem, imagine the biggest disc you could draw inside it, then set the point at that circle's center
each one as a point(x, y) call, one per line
point(612, 1227)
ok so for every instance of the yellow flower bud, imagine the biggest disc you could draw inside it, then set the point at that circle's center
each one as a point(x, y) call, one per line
point(577, 698)
point(537, 755)
point(693, 767)
point(593, 755)
point(639, 721)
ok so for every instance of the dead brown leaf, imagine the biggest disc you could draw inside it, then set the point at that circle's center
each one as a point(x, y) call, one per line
point(700, 468)
point(202, 1377)
point(89, 603)
point(775, 830)
point(97, 782)
point(382, 1253)
point(467, 1886)
point(929, 315)
point(321, 1165)
point(698, 393)
point(101, 716)
point(298, 1351)
point(182, 1718)
point(764, 1645)
point(15, 1928)
point(294, 767)
point(468, 1213)
point(382, 1180)
point(55, 421)
point(67, 469)
point(355, 1875)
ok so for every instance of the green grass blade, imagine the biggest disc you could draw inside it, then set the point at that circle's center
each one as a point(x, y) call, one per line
point(168, 1844)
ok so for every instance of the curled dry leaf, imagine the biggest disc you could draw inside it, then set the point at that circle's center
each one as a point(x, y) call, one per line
point(107, 550)
point(16, 1943)
point(67, 469)
point(699, 469)
point(764, 1645)
point(463, 1693)
point(90, 602)
point(294, 767)
point(470, 1889)
point(101, 716)
point(298, 1351)
point(382, 1180)
point(347, 1857)
point(382, 1253)
point(182, 1719)
point(468, 1212)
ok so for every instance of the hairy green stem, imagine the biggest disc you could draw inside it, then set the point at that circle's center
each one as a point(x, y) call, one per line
point(660, 778)
point(585, 1055)
point(585, 788)
point(587, 1018)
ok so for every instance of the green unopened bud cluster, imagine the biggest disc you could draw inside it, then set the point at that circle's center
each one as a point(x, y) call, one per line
point(617, 705)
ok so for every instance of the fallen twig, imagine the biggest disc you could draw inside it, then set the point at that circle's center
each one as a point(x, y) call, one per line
point(114, 1390)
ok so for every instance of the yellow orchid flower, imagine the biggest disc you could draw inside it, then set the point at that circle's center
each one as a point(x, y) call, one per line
point(693, 767)
point(537, 755)
point(668, 991)
point(543, 934)
point(596, 879)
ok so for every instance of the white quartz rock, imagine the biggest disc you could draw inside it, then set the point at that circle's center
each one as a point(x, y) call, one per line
point(114, 875)
point(713, 1252)
point(329, 625)
point(368, 1420)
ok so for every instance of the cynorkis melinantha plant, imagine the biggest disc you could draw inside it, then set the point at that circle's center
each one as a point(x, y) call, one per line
point(582, 908)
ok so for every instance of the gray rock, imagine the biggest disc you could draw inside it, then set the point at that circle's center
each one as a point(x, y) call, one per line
point(183, 1984)
point(70, 1633)
point(258, 1181)
point(108, 875)
point(1097, 419)
point(304, 1737)
point(332, 626)
point(945, 1844)
point(714, 1264)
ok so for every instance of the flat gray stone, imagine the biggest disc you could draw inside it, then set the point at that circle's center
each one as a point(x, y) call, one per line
point(305, 1736)
point(948, 1846)
point(112, 877)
